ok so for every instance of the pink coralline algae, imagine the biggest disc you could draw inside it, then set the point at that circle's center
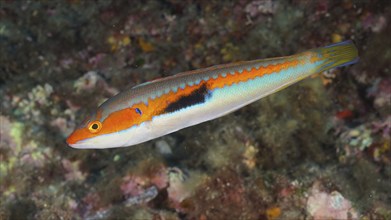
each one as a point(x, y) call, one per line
point(133, 185)
point(323, 205)
point(92, 81)
point(139, 189)
point(381, 92)
point(72, 171)
point(374, 22)
point(256, 8)
point(97, 59)
point(383, 127)
point(62, 125)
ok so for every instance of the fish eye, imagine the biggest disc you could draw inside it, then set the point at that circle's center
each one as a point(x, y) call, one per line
point(94, 126)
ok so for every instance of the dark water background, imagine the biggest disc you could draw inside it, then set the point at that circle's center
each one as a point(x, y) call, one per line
point(318, 149)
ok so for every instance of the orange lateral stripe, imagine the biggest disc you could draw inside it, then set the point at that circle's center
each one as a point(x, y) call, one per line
point(246, 75)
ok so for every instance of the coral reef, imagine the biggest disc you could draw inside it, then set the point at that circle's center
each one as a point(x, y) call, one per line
point(318, 149)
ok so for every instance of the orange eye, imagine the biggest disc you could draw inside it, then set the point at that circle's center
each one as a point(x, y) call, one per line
point(94, 126)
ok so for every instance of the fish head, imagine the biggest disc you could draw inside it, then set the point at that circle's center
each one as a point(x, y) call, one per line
point(113, 130)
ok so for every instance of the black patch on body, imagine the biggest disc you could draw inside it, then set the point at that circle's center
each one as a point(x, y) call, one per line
point(198, 96)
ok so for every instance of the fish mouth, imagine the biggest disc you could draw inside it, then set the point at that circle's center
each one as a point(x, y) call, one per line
point(73, 140)
point(77, 146)
point(81, 146)
point(86, 145)
point(99, 142)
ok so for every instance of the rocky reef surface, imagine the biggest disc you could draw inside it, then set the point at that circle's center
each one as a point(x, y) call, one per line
point(319, 149)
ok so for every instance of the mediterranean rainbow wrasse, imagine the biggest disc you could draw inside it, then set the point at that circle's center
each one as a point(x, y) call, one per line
point(163, 106)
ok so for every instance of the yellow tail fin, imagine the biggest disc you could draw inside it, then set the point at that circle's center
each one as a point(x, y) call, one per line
point(337, 55)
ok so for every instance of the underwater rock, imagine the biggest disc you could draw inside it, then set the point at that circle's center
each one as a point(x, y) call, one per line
point(249, 156)
point(163, 147)
point(255, 8)
point(139, 189)
point(73, 172)
point(380, 91)
point(147, 195)
point(92, 81)
point(323, 205)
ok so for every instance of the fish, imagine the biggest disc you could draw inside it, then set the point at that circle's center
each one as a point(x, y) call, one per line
point(163, 106)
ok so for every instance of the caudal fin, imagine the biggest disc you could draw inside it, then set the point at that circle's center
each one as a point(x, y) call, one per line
point(337, 55)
